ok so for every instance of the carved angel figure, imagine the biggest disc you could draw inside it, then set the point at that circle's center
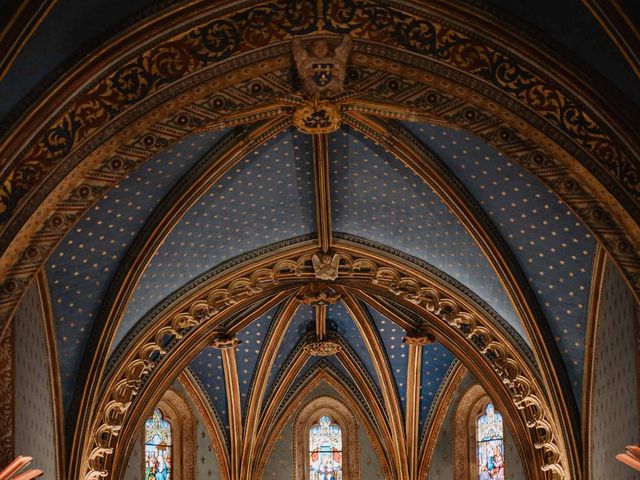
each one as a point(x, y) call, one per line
point(326, 268)
point(322, 72)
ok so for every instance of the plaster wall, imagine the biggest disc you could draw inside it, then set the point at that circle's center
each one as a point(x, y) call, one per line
point(34, 419)
point(134, 465)
point(207, 466)
point(614, 414)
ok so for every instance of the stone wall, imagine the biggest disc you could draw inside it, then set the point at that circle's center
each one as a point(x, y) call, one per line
point(614, 414)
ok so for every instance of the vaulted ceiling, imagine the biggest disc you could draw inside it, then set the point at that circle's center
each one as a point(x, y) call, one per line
point(423, 176)
point(268, 198)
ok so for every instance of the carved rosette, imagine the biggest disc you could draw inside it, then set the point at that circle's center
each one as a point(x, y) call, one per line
point(322, 348)
point(316, 118)
point(368, 271)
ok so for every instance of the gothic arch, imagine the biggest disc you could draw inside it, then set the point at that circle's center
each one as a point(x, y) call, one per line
point(456, 321)
point(468, 409)
point(177, 411)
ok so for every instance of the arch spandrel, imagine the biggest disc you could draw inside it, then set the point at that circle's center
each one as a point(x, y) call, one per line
point(465, 329)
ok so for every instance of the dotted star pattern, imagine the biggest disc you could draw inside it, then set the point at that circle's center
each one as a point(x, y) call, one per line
point(376, 197)
point(554, 249)
point(82, 267)
point(268, 197)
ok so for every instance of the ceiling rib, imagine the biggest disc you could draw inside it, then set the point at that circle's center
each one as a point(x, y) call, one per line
point(323, 193)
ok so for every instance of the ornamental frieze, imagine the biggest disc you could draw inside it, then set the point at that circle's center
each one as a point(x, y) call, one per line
point(270, 22)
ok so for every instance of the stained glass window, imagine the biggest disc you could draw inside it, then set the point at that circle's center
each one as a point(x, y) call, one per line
point(325, 450)
point(490, 445)
point(157, 447)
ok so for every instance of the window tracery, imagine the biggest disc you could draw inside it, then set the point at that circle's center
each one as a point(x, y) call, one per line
point(168, 440)
point(490, 445)
point(478, 438)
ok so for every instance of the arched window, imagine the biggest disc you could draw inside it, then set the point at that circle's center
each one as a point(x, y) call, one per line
point(482, 446)
point(490, 445)
point(325, 450)
point(157, 447)
point(166, 449)
point(325, 441)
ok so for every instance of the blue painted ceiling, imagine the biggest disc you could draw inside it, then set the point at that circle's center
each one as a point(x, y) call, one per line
point(339, 320)
point(377, 197)
point(207, 369)
point(301, 323)
point(81, 269)
point(248, 352)
point(396, 351)
point(553, 248)
point(437, 362)
point(266, 198)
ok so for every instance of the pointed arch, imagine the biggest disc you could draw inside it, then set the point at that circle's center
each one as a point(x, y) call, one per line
point(212, 426)
point(175, 412)
point(295, 404)
point(182, 328)
point(373, 417)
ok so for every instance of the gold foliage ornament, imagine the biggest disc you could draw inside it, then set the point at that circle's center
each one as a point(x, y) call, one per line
point(317, 117)
point(322, 348)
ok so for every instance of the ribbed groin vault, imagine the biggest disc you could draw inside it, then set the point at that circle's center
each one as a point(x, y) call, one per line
point(320, 239)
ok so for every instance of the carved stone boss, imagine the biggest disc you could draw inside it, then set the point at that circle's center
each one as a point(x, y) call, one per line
point(322, 73)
